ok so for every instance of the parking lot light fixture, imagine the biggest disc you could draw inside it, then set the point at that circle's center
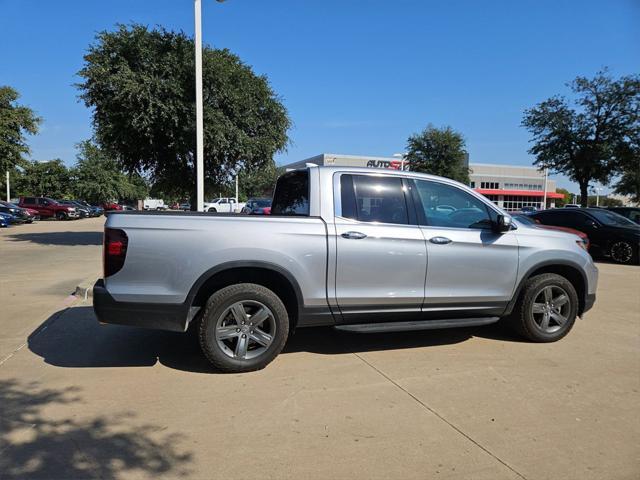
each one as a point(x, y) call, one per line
point(199, 107)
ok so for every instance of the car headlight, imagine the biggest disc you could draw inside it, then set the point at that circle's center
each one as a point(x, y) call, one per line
point(582, 244)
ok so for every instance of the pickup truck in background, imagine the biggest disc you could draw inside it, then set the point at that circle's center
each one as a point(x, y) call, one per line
point(223, 205)
point(359, 249)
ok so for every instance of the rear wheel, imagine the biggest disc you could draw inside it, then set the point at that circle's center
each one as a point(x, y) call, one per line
point(547, 308)
point(243, 328)
point(622, 252)
point(61, 216)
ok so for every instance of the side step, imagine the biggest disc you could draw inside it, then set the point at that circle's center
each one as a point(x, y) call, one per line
point(416, 325)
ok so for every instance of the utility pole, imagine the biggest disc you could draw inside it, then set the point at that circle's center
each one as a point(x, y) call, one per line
point(544, 201)
point(199, 108)
point(8, 189)
point(236, 190)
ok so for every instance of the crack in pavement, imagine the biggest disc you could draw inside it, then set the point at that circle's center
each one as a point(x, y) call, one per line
point(428, 408)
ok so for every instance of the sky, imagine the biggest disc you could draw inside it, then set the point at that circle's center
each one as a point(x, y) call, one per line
point(357, 77)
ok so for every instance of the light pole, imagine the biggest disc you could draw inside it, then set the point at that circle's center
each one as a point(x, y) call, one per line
point(8, 189)
point(597, 190)
point(199, 109)
point(401, 156)
point(544, 200)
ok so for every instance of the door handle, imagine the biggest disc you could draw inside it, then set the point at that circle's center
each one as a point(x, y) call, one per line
point(440, 240)
point(354, 235)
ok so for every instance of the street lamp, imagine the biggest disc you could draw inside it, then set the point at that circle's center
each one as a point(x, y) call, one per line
point(597, 190)
point(199, 108)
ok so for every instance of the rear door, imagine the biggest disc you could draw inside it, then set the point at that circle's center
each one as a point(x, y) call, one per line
point(381, 254)
point(472, 268)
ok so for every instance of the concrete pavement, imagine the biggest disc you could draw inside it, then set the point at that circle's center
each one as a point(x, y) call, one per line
point(83, 400)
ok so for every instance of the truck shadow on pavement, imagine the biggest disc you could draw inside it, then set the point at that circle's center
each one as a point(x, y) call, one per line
point(73, 338)
point(42, 435)
point(59, 238)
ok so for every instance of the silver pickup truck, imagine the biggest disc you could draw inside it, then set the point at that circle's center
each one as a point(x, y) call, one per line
point(359, 249)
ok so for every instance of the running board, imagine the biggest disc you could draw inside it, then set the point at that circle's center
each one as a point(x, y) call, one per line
point(416, 325)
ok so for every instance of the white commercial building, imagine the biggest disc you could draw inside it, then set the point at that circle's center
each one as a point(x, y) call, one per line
point(511, 187)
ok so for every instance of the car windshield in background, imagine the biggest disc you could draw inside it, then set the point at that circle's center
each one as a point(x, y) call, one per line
point(525, 219)
point(612, 219)
point(291, 196)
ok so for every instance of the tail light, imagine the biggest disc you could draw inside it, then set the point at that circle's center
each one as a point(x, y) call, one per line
point(114, 250)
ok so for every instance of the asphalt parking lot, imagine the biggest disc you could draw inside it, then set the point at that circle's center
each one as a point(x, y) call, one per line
point(83, 400)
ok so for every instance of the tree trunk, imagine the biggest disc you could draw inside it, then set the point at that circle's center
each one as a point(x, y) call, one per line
point(584, 194)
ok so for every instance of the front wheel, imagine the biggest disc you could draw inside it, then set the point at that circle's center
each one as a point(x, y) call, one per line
point(212, 210)
point(61, 216)
point(547, 308)
point(622, 252)
point(243, 328)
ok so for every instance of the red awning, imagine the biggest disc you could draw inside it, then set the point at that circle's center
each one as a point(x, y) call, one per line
point(519, 193)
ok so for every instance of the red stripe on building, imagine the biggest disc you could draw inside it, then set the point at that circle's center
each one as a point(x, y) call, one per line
point(521, 193)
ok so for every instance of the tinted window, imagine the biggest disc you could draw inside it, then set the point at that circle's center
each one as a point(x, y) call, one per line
point(368, 198)
point(611, 218)
point(449, 206)
point(564, 218)
point(291, 196)
point(29, 200)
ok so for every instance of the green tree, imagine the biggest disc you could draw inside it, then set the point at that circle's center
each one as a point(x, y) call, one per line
point(439, 151)
point(592, 138)
point(47, 179)
point(140, 85)
point(97, 177)
point(16, 121)
point(260, 182)
point(561, 202)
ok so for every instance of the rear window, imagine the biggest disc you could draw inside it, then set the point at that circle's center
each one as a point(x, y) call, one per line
point(291, 195)
point(368, 198)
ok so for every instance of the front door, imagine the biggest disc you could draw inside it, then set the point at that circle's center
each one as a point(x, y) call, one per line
point(381, 254)
point(472, 269)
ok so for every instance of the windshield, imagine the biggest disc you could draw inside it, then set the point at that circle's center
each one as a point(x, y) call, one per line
point(524, 219)
point(610, 218)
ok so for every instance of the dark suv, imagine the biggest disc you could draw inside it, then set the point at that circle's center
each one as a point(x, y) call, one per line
point(632, 213)
point(611, 235)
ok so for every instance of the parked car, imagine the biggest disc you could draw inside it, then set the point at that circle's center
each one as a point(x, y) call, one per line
point(128, 208)
point(83, 212)
point(223, 205)
point(257, 206)
point(528, 209)
point(632, 213)
point(344, 247)
point(185, 207)
point(5, 219)
point(611, 235)
point(47, 207)
point(16, 217)
point(572, 205)
point(24, 215)
point(526, 219)
point(111, 206)
point(94, 210)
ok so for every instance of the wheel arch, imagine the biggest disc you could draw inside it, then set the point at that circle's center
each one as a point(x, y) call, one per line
point(569, 270)
point(269, 275)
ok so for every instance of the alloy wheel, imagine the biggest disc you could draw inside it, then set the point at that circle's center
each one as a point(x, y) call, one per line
point(245, 330)
point(621, 252)
point(551, 308)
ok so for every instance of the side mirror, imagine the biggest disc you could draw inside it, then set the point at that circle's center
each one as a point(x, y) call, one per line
point(503, 223)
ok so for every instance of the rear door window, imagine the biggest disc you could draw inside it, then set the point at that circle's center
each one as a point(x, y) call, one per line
point(369, 198)
point(291, 195)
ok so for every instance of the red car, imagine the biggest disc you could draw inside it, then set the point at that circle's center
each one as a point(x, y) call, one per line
point(111, 206)
point(47, 207)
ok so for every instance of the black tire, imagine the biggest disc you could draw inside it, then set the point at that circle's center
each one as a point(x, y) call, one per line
point(212, 210)
point(623, 252)
point(528, 324)
point(215, 310)
point(61, 216)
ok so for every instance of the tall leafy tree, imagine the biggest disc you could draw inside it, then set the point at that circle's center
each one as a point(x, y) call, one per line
point(140, 84)
point(97, 177)
point(16, 122)
point(592, 138)
point(439, 151)
point(47, 179)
